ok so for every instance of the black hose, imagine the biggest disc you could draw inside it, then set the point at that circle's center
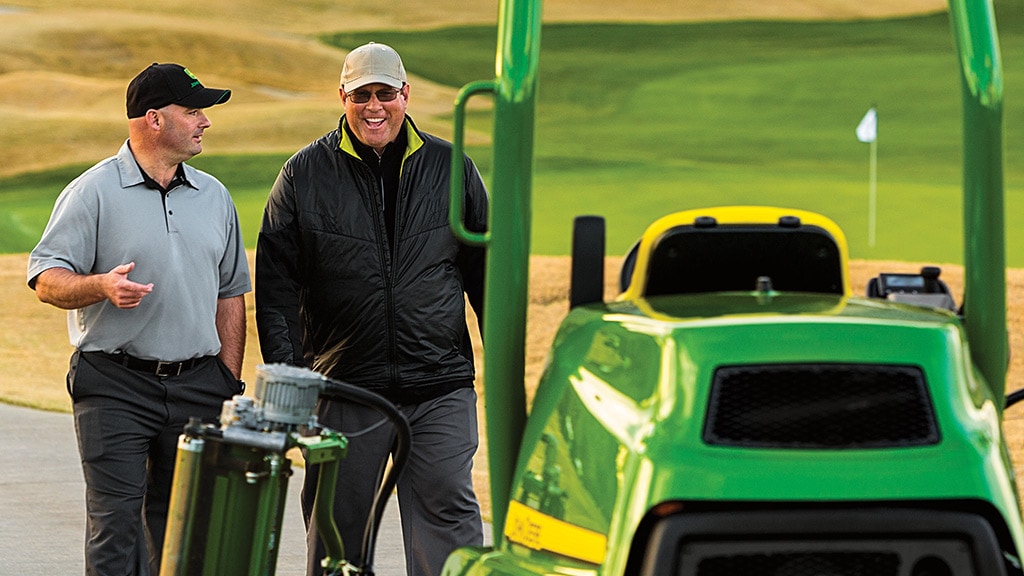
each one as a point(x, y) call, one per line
point(1014, 397)
point(343, 391)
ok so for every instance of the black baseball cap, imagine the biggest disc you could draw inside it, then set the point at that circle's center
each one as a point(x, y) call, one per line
point(163, 84)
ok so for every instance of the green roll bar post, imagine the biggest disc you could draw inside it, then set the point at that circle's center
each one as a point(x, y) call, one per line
point(974, 30)
point(507, 237)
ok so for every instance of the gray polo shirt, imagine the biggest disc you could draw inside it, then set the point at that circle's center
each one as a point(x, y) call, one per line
point(187, 243)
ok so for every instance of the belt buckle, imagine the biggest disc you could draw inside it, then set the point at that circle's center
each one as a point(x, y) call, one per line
point(174, 368)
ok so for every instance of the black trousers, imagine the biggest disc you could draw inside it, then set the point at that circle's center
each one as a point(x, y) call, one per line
point(128, 423)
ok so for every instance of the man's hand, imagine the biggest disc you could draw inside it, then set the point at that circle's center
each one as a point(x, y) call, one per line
point(71, 291)
point(121, 291)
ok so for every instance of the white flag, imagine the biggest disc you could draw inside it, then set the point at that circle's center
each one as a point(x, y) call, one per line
point(867, 130)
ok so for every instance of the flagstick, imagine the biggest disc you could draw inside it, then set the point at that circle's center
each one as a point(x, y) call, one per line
point(871, 191)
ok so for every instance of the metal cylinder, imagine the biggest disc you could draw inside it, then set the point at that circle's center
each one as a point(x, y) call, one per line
point(179, 518)
point(227, 505)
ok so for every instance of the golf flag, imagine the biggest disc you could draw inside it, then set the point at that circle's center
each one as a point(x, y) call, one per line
point(867, 130)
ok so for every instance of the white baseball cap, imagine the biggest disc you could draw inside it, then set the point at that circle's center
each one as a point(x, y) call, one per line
point(372, 64)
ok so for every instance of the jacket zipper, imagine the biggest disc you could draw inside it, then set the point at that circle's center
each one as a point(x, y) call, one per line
point(386, 252)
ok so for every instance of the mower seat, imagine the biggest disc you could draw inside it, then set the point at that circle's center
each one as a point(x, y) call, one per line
point(737, 249)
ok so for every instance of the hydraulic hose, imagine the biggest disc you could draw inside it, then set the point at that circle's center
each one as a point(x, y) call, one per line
point(343, 391)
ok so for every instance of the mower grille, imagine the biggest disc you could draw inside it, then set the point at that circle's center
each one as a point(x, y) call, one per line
point(860, 540)
point(803, 564)
point(820, 406)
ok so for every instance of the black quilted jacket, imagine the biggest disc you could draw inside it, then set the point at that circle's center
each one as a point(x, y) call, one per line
point(334, 296)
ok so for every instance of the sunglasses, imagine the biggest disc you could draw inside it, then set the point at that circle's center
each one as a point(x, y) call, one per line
point(363, 96)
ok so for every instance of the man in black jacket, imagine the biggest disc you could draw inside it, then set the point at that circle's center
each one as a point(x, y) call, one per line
point(359, 278)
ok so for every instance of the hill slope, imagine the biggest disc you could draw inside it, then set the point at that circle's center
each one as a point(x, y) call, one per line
point(64, 64)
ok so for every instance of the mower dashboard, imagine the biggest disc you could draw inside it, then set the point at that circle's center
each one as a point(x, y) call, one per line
point(921, 289)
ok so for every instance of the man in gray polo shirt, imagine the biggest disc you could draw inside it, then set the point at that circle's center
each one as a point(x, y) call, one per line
point(146, 254)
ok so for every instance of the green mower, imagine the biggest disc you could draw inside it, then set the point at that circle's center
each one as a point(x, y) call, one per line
point(736, 409)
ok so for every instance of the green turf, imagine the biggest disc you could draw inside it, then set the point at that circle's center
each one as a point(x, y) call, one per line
point(634, 121)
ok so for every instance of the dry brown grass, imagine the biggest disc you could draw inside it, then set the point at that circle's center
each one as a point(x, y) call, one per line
point(63, 77)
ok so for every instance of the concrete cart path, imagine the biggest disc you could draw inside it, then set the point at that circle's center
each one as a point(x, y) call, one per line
point(42, 504)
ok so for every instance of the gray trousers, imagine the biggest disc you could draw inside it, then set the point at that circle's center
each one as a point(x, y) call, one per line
point(128, 423)
point(438, 507)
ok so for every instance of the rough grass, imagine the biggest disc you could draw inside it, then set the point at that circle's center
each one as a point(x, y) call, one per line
point(64, 64)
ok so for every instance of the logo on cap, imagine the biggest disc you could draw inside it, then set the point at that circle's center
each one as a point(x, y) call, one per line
point(192, 76)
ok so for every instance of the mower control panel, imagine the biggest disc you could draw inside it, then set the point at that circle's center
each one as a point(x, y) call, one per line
point(923, 289)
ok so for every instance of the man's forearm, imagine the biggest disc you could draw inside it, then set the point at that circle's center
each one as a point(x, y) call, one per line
point(231, 330)
point(67, 290)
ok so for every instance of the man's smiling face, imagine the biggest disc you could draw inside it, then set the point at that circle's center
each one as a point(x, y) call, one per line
point(376, 122)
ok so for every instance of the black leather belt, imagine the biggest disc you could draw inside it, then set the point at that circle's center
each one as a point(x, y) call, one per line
point(156, 367)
